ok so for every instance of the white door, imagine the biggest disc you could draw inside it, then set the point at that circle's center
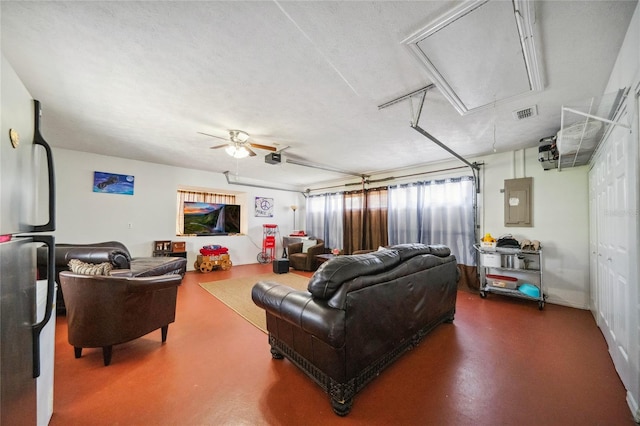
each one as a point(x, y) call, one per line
point(593, 241)
point(614, 204)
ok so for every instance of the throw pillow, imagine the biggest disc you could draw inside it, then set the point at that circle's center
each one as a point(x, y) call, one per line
point(79, 267)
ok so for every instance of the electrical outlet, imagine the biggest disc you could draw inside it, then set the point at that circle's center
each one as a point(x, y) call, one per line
point(130, 225)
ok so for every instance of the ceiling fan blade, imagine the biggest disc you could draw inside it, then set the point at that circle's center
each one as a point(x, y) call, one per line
point(265, 147)
point(219, 146)
point(213, 136)
point(251, 153)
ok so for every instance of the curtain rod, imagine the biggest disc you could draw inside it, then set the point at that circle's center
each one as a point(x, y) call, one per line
point(321, 167)
point(394, 177)
point(226, 174)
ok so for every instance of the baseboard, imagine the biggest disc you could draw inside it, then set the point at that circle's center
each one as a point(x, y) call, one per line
point(633, 405)
point(566, 303)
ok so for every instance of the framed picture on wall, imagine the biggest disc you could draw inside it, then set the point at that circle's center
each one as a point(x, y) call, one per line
point(113, 183)
point(264, 207)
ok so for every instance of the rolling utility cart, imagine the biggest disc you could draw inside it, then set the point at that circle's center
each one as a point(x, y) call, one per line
point(511, 272)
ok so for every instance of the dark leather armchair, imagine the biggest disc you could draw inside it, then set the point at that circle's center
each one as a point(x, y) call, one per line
point(113, 252)
point(103, 311)
point(305, 261)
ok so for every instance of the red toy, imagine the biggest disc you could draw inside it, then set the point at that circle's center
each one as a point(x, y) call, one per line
point(213, 257)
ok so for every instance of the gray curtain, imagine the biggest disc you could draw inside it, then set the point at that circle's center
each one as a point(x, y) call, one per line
point(435, 212)
point(324, 218)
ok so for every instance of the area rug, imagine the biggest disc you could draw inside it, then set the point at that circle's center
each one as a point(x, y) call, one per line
point(236, 293)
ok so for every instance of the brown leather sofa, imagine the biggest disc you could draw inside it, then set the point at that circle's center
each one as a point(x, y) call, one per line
point(103, 311)
point(113, 252)
point(305, 261)
point(360, 313)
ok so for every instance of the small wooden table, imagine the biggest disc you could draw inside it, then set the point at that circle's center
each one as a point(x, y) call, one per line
point(321, 258)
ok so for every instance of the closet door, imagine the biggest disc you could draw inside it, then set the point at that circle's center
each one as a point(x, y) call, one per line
point(615, 203)
point(593, 241)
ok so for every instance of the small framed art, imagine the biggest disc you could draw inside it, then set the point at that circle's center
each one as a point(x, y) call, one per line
point(264, 207)
point(112, 183)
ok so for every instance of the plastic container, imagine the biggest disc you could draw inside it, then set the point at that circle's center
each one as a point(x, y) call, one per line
point(488, 245)
point(530, 290)
point(491, 260)
point(502, 281)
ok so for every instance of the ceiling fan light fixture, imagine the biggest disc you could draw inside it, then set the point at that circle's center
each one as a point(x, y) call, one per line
point(237, 151)
point(238, 136)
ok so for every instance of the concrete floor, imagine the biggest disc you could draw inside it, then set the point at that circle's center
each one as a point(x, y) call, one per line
point(502, 362)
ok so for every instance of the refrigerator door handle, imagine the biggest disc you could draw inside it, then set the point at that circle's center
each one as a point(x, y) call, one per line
point(36, 328)
point(39, 140)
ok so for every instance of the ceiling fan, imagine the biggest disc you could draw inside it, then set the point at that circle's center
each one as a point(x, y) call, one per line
point(238, 144)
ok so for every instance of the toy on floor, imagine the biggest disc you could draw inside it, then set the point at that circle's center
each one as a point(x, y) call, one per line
point(213, 257)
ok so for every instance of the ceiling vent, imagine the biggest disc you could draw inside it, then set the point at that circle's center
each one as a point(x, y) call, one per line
point(523, 113)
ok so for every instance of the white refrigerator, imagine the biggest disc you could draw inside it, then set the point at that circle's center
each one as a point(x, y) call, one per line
point(24, 158)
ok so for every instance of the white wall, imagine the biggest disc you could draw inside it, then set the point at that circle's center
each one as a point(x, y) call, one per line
point(626, 71)
point(560, 215)
point(560, 212)
point(84, 216)
point(560, 220)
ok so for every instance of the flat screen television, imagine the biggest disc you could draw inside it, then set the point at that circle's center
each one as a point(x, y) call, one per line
point(211, 219)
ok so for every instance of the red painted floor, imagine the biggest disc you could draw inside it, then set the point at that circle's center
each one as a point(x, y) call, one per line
point(502, 362)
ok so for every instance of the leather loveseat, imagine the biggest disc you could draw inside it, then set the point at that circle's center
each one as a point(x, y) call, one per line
point(113, 252)
point(360, 313)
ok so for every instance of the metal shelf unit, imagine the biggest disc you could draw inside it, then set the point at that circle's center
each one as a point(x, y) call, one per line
point(583, 125)
point(531, 270)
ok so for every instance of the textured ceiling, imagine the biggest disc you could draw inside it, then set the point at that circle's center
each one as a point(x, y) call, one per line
point(140, 79)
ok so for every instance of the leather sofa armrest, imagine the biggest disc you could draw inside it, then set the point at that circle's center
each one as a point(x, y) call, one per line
point(152, 266)
point(316, 249)
point(143, 284)
point(133, 284)
point(118, 258)
point(302, 310)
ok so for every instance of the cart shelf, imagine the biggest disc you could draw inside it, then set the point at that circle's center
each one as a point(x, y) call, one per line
point(528, 268)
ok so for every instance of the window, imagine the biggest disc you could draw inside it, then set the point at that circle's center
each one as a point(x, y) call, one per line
point(435, 212)
point(349, 221)
point(324, 218)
